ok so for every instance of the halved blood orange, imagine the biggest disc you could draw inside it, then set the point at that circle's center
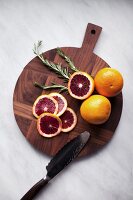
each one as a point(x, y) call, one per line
point(44, 104)
point(69, 120)
point(62, 102)
point(49, 125)
point(80, 85)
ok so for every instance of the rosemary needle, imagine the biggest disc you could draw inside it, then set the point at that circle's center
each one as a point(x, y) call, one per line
point(67, 59)
point(63, 72)
point(53, 86)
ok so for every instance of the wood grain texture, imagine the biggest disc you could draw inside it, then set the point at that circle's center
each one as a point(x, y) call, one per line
point(25, 94)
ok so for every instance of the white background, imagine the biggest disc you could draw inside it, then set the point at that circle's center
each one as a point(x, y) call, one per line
point(107, 175)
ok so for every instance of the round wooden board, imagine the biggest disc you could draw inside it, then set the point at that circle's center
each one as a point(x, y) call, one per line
point(26, 93)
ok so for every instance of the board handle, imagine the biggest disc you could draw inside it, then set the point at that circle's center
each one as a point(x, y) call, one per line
point(91, 36)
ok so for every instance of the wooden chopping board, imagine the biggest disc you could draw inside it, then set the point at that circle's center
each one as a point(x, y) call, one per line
point(25, 94)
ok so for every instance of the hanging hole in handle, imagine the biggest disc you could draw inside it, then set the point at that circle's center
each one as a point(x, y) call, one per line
point(93, 31)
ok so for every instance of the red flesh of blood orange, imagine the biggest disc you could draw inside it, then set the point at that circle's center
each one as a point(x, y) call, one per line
point(80, 85)
point(49, 125)
point(44, 104)
point(62, 102)
point(69, 120)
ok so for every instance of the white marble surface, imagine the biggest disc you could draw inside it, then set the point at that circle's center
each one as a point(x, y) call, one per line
point(106, 175)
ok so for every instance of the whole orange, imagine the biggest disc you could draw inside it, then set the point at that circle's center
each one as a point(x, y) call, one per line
point(96, 109)
point(108, 82)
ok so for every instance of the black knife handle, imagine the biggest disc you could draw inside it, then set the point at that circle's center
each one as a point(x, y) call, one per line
point(35, 189)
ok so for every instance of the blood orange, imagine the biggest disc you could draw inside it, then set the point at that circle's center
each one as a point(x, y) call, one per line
point(62, 102)
point(108, 82)
point(43, 104)
point(69, 120)
point(49, 125)
point(80, 85)
point(96, 109)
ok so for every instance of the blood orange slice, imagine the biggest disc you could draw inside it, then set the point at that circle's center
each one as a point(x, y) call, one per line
point(69, 120)
point(44, 104)
point(49, 125)
point(62, 102)
point(80, 85)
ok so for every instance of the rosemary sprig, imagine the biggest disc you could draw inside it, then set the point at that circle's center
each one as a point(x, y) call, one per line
point(53, 86)
point(67, 59)
point(63, 72)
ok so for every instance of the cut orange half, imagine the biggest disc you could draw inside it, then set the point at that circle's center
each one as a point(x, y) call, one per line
point(62, 102)
point(69, 120)
point(49, 125)
point(80, 85)
point(44, 104)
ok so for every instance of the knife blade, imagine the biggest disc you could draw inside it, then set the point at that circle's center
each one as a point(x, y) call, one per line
point(59, 162)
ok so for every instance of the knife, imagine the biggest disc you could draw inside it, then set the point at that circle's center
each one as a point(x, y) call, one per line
point(59, 162)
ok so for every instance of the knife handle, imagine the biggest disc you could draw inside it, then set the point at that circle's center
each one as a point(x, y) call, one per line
point(35, 189)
